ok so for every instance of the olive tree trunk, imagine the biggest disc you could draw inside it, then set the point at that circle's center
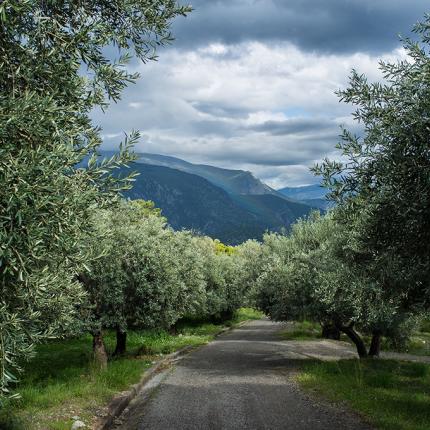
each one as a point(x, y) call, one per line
point(121, 342)
point(99, 350)
point(355, 337)
point(375, 344)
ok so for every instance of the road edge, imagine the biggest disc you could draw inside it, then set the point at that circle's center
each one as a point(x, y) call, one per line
point(122, 400)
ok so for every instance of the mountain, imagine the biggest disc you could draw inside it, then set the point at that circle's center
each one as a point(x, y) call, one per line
point(275, 211)
point(304, 193)
point(230, 205)
point(232, 181)
point(313, 195)
point(190, 201)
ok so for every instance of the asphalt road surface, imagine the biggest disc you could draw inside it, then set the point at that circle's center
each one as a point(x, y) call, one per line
point(242, 380)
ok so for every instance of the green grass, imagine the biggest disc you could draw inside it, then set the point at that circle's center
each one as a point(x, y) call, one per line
point(419, 343)
point(302, 330)
point(245, 314)
point(61, 382)
point(393, 395)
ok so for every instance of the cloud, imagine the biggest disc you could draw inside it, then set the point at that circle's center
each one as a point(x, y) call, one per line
point(248, 102)
point(330, 26)
point(294, 126)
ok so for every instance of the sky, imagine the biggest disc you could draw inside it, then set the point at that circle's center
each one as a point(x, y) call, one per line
point(250, 84)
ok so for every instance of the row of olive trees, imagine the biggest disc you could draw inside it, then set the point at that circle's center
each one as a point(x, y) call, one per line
point(145, 275)
point(53, 72)
point(365, 268)
point(311, 274)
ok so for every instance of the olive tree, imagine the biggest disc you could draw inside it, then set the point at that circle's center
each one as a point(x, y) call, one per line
point(145, 275)
point(53, 72)
point(382, 189)
point(307, 275)
point(224, 292)
point(251, 257)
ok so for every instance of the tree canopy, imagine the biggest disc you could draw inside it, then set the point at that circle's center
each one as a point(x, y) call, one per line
point(53, 71)
point(382, 188)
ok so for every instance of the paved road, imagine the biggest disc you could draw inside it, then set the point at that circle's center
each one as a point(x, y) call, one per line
point(242, 380)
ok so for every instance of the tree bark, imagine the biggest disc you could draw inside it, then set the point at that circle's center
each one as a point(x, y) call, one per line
point(99, 350)
point(330, 331)
point(375, 344)
point(355, 337)
point(121, 342)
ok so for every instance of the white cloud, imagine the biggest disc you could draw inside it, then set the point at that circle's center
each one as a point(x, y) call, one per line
point(204, 105)
point(135, 105)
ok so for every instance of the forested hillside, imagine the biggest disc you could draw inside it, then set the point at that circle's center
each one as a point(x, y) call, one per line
point(192, 202)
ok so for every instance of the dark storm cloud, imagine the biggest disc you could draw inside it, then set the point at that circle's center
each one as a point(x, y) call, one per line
point(313, 25)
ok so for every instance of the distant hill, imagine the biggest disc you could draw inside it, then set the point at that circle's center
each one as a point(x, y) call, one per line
point(304, 193)
point(192, 202)
point(313, 195)
point(232, 181)
point(275, 211)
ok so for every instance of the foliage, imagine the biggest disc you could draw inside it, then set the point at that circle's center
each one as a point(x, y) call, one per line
point(383, 187)
point(306, 275)
point(221, 271)
point(220, 248)
point(366, 264)
point(250, 256)
point(53, 73)
point(146, 275)
point(147, 208)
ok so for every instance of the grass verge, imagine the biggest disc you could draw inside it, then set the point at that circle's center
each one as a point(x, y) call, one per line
point(393, 395)
point(60, 382)
point(302, 330)
point(419, 343)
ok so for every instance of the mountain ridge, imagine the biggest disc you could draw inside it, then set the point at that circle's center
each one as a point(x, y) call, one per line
point(230, 205)
point(231, 180)
point(191, 202)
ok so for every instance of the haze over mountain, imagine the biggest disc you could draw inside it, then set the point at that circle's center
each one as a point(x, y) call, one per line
point(313, 195)
point(230, 205)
